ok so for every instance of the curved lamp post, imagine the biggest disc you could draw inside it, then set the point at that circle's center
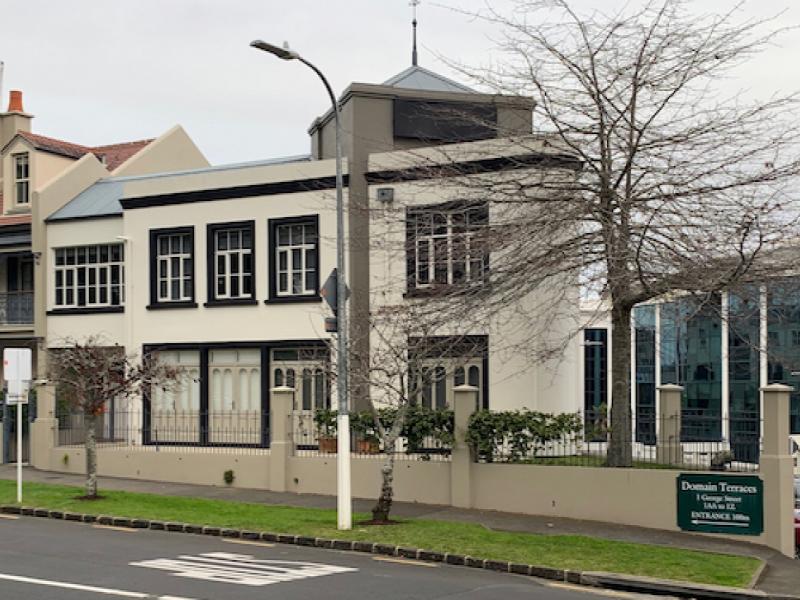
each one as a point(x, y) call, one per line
point(343, 496)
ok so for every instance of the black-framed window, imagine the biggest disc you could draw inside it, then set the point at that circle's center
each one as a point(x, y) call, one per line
point(172, 267)
point(231, 262)
point(89, 276)
point(294, 259)
point(445, 245)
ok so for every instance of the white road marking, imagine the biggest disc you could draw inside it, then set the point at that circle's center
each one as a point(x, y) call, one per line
point(114, 528)
point(405, 561)
point(248, 543)
point(240, 569)
point(87, 588)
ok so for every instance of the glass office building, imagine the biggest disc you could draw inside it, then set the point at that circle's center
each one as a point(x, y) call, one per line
point(711, 349)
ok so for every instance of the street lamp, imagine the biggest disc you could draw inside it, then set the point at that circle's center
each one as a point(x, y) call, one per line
point(343, 499)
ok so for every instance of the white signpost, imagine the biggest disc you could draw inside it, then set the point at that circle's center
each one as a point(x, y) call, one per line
point(17, 373)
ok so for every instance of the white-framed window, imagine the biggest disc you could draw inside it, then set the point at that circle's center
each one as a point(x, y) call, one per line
point(435, 379)
point(295, 259)
point(89, 276)
point(232, 261)
point(174, 265)
point(447, 245)
point(307, 372)
point(22, 183)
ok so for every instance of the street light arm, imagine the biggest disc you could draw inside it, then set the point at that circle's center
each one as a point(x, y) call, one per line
point(324, 79)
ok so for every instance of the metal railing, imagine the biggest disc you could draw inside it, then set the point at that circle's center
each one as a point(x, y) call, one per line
point(16, 308)
point(309, 440)
point(161, 430)
point(708, 441)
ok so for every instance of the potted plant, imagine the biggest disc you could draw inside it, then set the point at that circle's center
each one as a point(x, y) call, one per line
point(325, 420)
point(367, 440)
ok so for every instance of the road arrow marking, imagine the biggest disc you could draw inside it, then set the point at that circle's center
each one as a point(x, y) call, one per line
point(240, 569)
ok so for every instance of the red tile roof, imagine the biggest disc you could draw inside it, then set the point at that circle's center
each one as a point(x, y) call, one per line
point(113, 154)
point(12, 219)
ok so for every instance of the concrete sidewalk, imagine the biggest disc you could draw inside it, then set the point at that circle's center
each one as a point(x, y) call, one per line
point(782, 575)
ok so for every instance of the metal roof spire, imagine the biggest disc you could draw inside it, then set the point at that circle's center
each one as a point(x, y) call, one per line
point(413, 4)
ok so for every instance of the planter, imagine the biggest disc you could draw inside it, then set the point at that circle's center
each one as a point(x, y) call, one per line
point(327, 444)
point(367, 446)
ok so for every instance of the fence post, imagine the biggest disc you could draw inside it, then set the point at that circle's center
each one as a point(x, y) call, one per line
point(280, 438)
point(668, 443)
point(465, 398)
point(777, 470)
point(44, 430)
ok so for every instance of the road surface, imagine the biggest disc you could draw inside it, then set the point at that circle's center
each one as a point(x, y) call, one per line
point(46, 559)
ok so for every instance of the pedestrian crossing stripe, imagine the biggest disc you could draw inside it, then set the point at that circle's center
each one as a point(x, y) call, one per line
point(240, 569)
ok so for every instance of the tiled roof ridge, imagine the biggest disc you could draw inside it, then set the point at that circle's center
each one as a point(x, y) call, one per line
point(115, 154)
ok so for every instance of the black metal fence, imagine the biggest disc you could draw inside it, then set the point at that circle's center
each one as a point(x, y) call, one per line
point(243, 430)
point(707, 441)
point(311, 440)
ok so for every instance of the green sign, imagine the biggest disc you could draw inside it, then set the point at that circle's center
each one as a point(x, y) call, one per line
point(732, 504)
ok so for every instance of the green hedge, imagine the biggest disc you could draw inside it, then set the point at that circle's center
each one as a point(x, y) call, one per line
point(516, 435)
point(420, 423)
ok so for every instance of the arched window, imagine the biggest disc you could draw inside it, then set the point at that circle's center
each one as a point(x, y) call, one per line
point(440, 379)
point(307, 389)
point(459, 377)
point(321, 400)
point(475, 376)
point(278, 377)
point(290, 378)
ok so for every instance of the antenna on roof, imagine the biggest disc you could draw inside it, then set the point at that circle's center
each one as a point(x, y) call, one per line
point(413, 4)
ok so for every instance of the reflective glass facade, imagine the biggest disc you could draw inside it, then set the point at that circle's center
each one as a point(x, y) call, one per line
point(644, 353)
point(783, 343)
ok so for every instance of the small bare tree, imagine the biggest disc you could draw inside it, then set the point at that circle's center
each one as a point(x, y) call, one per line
point(677, 187)
point(89, 374)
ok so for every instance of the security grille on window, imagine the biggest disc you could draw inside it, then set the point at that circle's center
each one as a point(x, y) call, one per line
point(233, 263)
point(175, 269)
point(296, 259)
point(89, 276)
point(22, 178)
point(446, 245)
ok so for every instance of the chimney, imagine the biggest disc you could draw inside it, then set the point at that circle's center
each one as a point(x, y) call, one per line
point(15, 101)
point(14, 120)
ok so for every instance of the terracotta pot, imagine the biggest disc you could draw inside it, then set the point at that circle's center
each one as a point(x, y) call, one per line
point(327, 444)
point(367, 447)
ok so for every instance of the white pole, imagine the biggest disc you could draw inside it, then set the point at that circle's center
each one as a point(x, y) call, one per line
point(19, 452)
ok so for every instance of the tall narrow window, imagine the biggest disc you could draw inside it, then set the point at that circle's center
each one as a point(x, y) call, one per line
point(89, 276)
point(22, 178)
point(230, 262)
point(294, 258)
point(446, 245)
point(172, 266)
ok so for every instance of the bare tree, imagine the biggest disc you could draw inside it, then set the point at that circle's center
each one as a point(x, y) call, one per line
point(89, 374)
point(655, 180)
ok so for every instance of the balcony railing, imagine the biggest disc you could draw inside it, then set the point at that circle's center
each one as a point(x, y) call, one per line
point(16, 308)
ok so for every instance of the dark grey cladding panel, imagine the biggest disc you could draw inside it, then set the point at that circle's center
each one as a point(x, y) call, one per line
point(444, 121)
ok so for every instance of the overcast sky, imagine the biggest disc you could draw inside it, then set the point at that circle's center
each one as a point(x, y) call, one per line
point(102, 71)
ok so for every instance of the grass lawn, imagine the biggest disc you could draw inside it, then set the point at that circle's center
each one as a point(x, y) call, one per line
point(557, 551)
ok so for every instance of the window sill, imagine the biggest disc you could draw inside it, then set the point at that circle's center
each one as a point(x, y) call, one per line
point(167, 305)
point(231, 302)
point(293, 299)
point(86, 310)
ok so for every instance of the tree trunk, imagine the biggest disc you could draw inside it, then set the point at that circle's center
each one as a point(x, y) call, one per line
point(90, 422)
point(380, 514)
point(620, 441)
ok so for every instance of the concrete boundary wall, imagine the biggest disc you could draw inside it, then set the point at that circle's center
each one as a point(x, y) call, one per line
point(637, 497)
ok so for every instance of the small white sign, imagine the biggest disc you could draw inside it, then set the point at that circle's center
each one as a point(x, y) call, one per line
point(17, 364)
point(240, 569)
